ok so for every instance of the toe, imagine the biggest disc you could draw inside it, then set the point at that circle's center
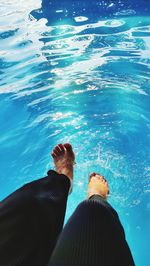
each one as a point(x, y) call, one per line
point(93, 174)
point(68, 146)
point(69, 150)
point(61, 147)
point(101, 178)
point(57, 151)
point(53, 155)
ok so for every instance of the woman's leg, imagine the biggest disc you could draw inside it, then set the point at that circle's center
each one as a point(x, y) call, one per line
point(93, 236)
point(32, 217)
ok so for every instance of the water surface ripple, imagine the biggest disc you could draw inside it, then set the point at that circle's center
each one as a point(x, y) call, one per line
point(68, 74)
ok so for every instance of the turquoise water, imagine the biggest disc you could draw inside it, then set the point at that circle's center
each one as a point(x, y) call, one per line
point(72, 72)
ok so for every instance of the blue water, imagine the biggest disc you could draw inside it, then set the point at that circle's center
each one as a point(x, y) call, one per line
point(76, 71)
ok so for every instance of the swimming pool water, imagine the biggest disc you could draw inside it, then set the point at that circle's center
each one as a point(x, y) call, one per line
point(76, 71)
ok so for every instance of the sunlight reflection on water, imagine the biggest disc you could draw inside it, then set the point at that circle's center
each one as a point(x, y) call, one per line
point(66, 76)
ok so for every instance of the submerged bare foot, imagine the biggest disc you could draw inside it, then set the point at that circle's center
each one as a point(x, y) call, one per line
point(64, 158)
point(97, 186)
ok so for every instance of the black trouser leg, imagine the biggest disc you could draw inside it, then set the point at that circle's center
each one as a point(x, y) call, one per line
point(93, 236)
point(31, 219)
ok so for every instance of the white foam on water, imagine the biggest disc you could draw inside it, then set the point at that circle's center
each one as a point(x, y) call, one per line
point(80, 19)
point(59, 11)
